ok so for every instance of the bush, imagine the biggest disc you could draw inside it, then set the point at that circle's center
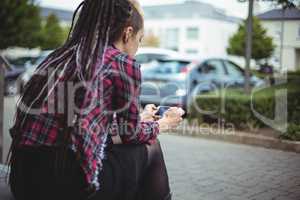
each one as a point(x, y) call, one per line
point(293, 133)
point(237, 109)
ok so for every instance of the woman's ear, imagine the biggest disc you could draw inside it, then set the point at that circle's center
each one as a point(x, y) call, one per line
point(128, 33)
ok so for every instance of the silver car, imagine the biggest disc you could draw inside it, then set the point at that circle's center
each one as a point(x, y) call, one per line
point(176, 81)
point(30, 69)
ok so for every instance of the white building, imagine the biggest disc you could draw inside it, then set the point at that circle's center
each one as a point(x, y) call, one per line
point(272, 21)
point(192, 27)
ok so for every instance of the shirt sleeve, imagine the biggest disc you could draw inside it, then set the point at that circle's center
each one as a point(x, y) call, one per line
point(127, 81)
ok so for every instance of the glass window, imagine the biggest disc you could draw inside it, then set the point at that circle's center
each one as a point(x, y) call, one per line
point(192, 33)
point(191, 51)
point(233, 69)
point(146, 58)
point(171, 67)
point(213, 67)
point(172, 37)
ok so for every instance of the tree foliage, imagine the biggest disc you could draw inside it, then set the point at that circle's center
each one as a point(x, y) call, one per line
point(151, 40)
point(20, 24)
point(288, 3)
point(53, 34)
point(262, 44)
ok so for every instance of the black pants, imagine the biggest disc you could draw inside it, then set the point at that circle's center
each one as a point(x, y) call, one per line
point(130, 172)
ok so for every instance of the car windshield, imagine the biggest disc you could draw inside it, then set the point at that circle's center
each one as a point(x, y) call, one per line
point(37, 62)
point(5, 64)
point(146, 58)
point(22, 60)
point(169, 66)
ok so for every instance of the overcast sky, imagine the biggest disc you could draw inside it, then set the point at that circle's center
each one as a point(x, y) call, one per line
point(232, 7)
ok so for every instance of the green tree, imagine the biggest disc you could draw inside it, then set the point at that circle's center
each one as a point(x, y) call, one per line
point(20, 24)
point(288, 3)
point(53, 34)
point(262, 44)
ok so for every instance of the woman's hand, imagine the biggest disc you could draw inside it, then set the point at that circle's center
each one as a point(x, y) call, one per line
point(171, 119)
point(148, 114)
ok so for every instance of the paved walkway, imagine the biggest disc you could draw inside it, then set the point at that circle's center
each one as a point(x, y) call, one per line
point(208, 170)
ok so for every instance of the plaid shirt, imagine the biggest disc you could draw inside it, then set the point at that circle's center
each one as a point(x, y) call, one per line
point(117, 101)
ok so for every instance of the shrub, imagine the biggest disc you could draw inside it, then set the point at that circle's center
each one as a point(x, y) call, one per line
point(237, 109)
point(293, 132)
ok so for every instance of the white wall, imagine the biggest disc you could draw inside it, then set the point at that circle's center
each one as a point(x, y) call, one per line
point(291, 41)
point(213, 34)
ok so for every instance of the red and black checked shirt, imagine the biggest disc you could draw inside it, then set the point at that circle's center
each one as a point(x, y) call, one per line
point(119, 92)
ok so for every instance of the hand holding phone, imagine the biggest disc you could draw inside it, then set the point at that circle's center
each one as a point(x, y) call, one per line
point(175, 110)
point(170, 117)
point(161, 110)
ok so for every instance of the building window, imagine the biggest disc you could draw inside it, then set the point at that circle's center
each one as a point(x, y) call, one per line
point(192, 33)
point(172, 38)
point(191, 51)
point(277, 34)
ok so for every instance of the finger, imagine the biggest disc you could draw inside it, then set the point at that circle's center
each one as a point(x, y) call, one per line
point(148, 106)
point(181, 111)
point(157, 117)
point(179, 120)
point(151, 107)
point(173, 108)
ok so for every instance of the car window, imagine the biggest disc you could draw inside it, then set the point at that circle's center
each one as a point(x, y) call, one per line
point(233, 69)
point(20, 62)
point(171, 67)
point(146, 58)
point(4, 63)
point(212, 67)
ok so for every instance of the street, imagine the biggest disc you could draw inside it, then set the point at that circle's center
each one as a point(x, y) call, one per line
point(209, 170)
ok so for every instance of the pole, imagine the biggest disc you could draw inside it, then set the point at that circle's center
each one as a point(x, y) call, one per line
point(249, 46)
point(282, 39)
point(1, 109)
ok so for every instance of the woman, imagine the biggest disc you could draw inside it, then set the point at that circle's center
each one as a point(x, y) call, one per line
point(82, 98)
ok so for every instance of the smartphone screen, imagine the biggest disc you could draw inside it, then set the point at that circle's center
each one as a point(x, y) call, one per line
point(162, 110)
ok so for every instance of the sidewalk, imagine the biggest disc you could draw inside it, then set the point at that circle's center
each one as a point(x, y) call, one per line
point(201, 169)
point(235, 136)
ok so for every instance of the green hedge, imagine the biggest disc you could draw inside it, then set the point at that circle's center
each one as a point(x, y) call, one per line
point(237, 108)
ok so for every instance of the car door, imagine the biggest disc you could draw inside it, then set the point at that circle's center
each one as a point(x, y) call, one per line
point(236, 76)
point(208, 76)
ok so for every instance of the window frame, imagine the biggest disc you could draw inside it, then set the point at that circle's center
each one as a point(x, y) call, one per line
point(190, 30)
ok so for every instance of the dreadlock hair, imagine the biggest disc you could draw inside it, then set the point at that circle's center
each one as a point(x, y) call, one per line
point(95, 25)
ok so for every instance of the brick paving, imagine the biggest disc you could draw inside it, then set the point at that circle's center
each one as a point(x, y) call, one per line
point(209, 170)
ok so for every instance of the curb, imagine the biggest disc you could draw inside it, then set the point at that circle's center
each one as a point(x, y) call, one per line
point(244, 138)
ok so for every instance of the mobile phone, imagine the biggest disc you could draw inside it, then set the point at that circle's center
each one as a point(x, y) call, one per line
point(162, 110)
